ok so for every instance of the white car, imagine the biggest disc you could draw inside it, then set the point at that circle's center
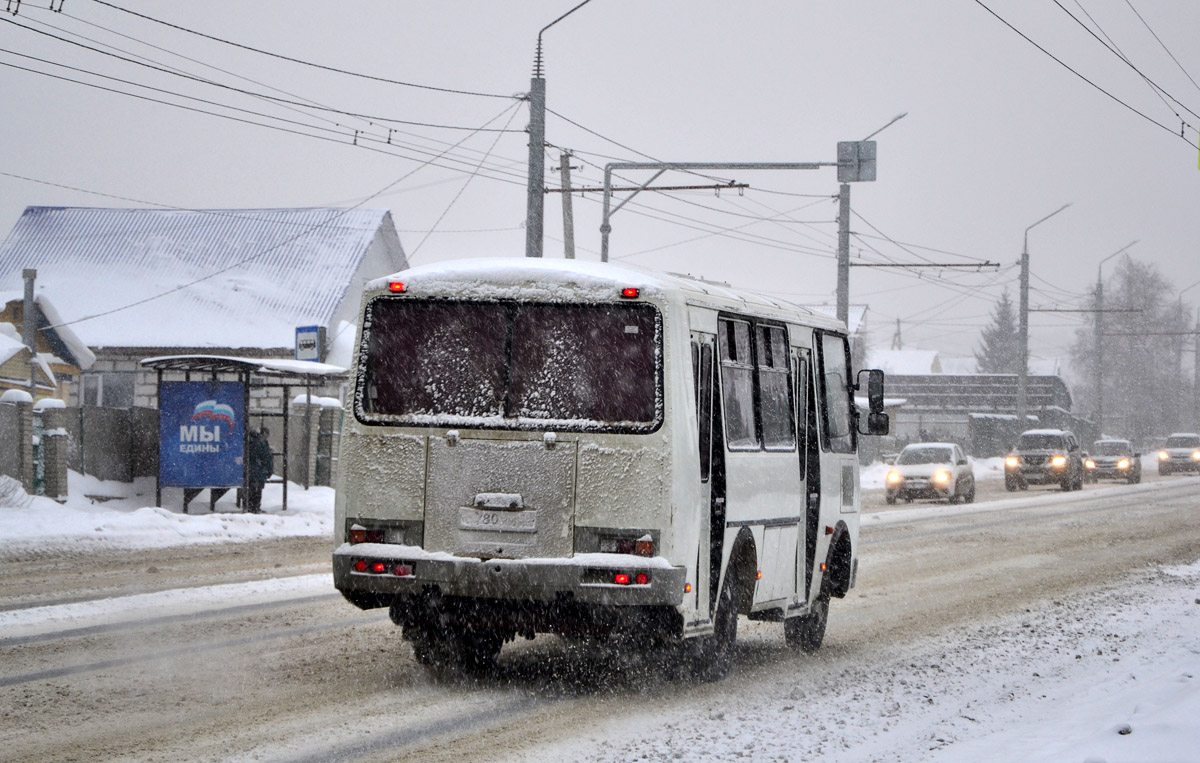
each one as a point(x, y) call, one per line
point(1181, 453)
point(938, 470)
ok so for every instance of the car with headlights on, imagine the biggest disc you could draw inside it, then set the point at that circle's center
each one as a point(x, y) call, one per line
point(1045, 457)
point(1180, 453)
point(939, 470)
point(1113, 460)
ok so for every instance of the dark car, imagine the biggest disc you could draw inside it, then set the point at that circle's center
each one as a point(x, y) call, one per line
point(1181, 453)
point(1114, 460)
point(1045, 457)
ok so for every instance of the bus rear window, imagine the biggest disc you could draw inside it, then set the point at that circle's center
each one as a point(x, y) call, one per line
point(511, 365)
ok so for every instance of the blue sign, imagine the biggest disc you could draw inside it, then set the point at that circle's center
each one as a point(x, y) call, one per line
point(201, 434)
point(308, 342)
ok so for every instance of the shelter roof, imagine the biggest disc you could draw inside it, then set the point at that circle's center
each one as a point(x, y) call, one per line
point(274, 367)
point(192, 278)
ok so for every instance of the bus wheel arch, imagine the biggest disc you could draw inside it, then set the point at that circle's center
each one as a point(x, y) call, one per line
point(743, 561)
point(839, 564)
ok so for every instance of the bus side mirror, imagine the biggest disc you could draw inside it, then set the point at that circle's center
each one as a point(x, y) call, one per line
point(877, 420)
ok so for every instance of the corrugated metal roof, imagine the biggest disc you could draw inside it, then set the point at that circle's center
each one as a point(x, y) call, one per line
point(193, 278)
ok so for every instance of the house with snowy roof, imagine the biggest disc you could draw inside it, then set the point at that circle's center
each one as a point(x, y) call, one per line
point(129, 284)
point(61, 356)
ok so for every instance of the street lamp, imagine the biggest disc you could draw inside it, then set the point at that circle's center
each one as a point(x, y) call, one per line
point(1023, 351)
point(1100, 337)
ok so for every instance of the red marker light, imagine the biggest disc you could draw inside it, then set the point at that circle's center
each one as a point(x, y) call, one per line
point(630, 293)
point(758, 575)
point(396, 286)
point(621, 578)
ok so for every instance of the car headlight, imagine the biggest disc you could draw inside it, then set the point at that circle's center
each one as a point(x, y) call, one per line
point(1058, 461)
point(1012, 462)
point(1090, 464)
point(942, 477)
point(894, 478)
point(1163, 455)
point(1196, 455)
point(1123, 463)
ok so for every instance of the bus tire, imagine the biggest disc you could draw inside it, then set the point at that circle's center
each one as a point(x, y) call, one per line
point(805, 633)
point(715, 653)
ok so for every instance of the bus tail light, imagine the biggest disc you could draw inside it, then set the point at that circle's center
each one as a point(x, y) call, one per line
point(360, 534)
point(621, 578)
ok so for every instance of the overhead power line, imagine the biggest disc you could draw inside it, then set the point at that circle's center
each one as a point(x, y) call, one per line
point(1066, 66)
point(1113, 49)
point(1163, 44)
point(243, 91)
point(344, 136)
point(302, 62)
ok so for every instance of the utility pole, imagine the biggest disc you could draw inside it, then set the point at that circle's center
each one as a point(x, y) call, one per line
point(29, 333)
point(1023, 332)
point(535, 196)
point(564, 166)
point(536, 186)
point(843, 254)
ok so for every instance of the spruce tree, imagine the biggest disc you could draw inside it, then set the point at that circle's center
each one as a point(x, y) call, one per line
point(1000, 351)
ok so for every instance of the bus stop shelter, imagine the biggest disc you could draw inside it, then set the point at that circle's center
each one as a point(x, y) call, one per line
point(204, 419)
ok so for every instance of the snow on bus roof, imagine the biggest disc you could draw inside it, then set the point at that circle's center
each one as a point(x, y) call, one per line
point(537, 278)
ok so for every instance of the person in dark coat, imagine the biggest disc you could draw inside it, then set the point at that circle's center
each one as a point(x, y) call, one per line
point(260, 467)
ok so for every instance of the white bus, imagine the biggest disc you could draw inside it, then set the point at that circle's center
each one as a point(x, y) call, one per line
point(552, 446)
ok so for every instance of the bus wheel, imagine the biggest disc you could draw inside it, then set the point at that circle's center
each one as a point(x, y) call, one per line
point(476, 651)
point(715, 653)
point(808, 631)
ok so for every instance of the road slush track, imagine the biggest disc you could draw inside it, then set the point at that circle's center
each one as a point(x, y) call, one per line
point(310, 678)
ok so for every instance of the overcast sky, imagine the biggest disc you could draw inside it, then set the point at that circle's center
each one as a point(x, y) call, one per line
point(997, 134)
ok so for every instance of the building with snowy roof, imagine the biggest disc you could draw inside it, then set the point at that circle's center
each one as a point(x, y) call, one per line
point(61, 356)
point(135, 283)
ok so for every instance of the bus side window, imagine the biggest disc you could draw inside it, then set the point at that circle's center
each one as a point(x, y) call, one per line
point(837, 432)
point(737, 384)
point(774, 386)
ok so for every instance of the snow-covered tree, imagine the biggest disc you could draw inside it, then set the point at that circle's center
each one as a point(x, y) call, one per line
point(1000, 352)
point(1146, 393)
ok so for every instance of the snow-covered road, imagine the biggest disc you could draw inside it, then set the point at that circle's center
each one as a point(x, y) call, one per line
point(1035, 628)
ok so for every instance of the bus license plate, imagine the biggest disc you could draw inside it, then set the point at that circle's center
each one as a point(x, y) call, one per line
point(497, 521)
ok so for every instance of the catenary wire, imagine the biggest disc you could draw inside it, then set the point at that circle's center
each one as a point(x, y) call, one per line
point(303, 62)
point(1066, 66)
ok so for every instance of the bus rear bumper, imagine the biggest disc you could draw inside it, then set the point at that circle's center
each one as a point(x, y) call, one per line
point(374, 574)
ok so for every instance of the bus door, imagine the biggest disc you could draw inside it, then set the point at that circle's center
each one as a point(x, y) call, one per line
point(809, 460)
point(761, 481)
point(839, 466)
point(709, 546)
